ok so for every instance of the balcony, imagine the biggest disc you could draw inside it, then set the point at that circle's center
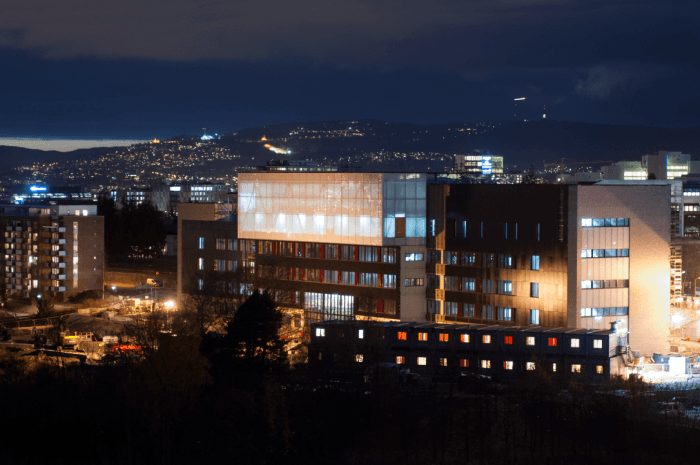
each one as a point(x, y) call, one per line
point(8, 228)
point(19, 229)
point(8, 239)
point(62, 265)
point(62, 277)
point(62, 288)
point(61, 241)
point(62, 229)
point(62, 253)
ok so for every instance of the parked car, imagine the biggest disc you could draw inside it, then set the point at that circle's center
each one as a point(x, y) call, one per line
point(154, 282)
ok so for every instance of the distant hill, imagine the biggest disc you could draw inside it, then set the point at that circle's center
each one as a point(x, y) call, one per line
point(13, 157)
point(520, 143)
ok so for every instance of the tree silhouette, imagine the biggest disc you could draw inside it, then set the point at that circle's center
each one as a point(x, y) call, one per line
point(44, 305)
point(253, 333)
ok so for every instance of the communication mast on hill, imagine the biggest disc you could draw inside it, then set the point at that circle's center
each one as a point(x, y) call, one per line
point(516, 100)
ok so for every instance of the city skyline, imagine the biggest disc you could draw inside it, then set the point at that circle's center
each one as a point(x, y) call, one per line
point(164, 69)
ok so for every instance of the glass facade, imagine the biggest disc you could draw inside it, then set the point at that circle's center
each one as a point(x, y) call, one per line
point(343, 208)
point(404, 197)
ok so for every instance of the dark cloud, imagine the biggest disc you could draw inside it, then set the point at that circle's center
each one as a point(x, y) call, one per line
point(251, 62)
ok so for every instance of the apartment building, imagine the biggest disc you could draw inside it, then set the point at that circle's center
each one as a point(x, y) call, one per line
point(52, 248)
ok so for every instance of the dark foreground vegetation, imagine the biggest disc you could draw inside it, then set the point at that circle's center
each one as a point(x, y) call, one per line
point(234, 400)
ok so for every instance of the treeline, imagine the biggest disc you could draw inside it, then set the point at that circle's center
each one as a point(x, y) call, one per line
point(132, 231)
point(199, 399)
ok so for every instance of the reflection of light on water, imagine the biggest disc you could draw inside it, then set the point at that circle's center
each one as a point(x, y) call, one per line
point(66, 145)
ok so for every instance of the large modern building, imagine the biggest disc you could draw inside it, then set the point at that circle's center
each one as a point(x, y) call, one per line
point(403, 246)
point(52, 248)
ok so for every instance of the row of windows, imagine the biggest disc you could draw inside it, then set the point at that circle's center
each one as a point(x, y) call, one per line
point(507, 340)
point(244, 245)
point(604, 253)
point(605, 284)
point(461, 228)
point(329, 251)
point(604, 222)
point(484, 364)
point(604, 311)
point(488, 260)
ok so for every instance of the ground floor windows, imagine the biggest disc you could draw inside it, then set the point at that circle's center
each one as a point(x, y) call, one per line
point(320, 307)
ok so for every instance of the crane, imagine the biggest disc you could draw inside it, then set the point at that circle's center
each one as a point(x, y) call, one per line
point(561, 165)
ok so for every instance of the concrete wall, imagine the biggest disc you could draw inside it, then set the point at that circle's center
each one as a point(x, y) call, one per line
point(190, 211)
point(648, 208)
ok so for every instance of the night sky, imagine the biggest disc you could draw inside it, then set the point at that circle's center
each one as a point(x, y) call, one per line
point(157, 68)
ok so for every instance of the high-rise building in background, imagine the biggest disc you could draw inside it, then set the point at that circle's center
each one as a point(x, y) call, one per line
point(52, 248)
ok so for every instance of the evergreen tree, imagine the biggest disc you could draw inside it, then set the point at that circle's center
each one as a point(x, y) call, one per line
point(253, 334)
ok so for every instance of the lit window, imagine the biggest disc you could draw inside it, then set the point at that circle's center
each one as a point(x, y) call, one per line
point(320, 356)
point(486, 364)
point(442, 362)
point(508, 365)
point(201, 284)
point(359, 358)
point(201, 242)
point(597, 343)
point(552, 342)
point(422, 361)
point(508, 340)
point(576, 368)
point(361, 334)
point(554, 367)
point(400, 360)
point(320, 332)
point(530, 340)
point(534, 317)
point(464, 338)
point(444, 337)
point(534, 289)
point(530, 366)
point(422, 336)
point(599, 369)
point(402, 335)
point(464, 363)
point(486, 339)
point(535, 262)
point(201, 264)
point(575, 343)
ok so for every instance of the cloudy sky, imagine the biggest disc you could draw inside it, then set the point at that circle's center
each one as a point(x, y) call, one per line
point(147, 68)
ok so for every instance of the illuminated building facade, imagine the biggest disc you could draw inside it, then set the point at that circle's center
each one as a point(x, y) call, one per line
point(577, 256)
point(624, 171)
point(404, 247)
point(40, 192)
point(669, 165)
point(479, 164)
point(52, 248)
